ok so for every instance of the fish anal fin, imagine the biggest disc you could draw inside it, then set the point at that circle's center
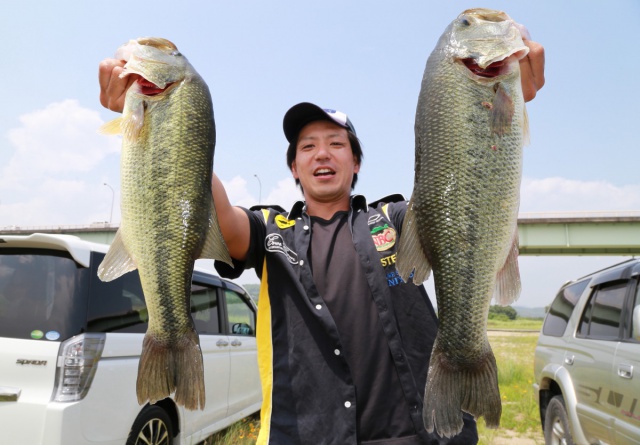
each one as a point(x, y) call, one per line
point(452, 389)
point(117, 261)
point(502, 111)
point(411, 256)
point(508, 285)
point(214, 245)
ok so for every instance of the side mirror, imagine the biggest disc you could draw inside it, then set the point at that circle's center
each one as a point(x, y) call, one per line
point(636, 323)
point(243, 329)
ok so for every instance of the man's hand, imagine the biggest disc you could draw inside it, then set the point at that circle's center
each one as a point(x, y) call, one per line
point(113, 88)
point(532, 70)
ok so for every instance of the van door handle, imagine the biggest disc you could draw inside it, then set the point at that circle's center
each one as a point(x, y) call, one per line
point(625, 371)
point(236, 342)
point(9, 394)
point(568, 360)
point(222, 343)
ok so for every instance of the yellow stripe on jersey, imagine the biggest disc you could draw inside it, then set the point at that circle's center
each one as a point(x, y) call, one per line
point(265, 357)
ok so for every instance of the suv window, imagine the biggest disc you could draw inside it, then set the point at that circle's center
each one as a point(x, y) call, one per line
point(241, 316)
point(602, 314)
point(42, 294)
point(118, 305)
point(204, 309)
point(558, 317)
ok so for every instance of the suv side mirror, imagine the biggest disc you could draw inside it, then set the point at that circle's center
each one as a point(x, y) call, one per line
point(636, 323)
point(245, 329)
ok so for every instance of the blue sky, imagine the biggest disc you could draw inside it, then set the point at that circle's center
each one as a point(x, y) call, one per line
point(365, 58)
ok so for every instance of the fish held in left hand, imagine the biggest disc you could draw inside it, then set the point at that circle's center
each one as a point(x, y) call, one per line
point(168, 214)
point(470, 128)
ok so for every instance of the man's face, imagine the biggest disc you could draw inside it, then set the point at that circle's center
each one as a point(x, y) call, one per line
point(324, 162)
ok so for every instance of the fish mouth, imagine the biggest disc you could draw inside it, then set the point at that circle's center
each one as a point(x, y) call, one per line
point(494, 69)
point(149, 88)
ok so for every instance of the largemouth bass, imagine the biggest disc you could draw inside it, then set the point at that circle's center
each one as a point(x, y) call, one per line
point(461, 222)
point(168, 216)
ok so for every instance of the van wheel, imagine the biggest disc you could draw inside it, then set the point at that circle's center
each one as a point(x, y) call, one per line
point(556, 423)
point(152, 427)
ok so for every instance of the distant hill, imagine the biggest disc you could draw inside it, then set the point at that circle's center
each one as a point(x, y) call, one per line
point(530, 312)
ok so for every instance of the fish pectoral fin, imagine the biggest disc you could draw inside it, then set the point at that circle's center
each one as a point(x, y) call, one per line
point(502, 111)
point(117, 261)
point(214, 245)
point(113, 127)
point(508, 284)
point(411, 256)
point(526, 136)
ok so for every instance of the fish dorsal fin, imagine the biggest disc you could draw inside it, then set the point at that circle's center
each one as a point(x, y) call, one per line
point(508, 284)
point(214, 245)
point(411, 257)
point(117, 261)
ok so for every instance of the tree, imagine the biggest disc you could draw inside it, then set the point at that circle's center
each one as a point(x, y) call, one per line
point(508, 311)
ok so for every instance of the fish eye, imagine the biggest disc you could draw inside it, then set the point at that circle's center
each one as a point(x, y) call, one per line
point(465, 22)
point(175, 53)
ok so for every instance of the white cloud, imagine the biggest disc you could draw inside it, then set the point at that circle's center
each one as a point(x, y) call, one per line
point(61, 138)
point(57, 164)
point(284, 195)
point(568, 195)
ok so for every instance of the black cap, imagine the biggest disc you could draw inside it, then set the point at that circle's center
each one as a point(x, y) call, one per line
point(303, 113)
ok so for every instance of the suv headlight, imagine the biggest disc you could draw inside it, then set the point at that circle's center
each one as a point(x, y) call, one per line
point(76, 366)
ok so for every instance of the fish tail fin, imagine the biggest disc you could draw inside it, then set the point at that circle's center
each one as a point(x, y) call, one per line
point(508, 285)
point(451, 390)
point(165, 368)
point(117, 261)
point(214, 245)
point(411, 257)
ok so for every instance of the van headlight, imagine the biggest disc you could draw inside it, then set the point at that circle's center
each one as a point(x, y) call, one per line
point(77, 364)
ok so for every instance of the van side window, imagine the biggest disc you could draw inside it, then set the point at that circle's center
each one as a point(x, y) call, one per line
point(242, 319)
point(118, 305)
point(556, 321)
point(601, 317)
point(204, 309)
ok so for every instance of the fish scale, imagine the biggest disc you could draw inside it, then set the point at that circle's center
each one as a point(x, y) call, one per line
point(168, 215)
point(462, 218)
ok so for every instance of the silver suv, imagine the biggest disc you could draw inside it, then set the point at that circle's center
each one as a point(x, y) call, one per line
point(587, 361)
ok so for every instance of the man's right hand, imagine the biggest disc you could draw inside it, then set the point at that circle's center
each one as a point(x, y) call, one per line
point(113, 88)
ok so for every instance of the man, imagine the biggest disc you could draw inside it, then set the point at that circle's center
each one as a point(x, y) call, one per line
point(343, 342)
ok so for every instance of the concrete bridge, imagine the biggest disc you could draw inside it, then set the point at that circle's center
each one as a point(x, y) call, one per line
point(577, 233)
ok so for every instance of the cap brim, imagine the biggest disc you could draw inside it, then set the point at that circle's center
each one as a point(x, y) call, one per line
point(302, 114)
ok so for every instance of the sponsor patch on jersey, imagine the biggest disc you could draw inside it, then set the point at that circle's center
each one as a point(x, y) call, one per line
point(283, 222)
point(275, 243)
point(384, 237)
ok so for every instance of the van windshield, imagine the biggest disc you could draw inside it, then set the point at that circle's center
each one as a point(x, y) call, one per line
point(42, 294)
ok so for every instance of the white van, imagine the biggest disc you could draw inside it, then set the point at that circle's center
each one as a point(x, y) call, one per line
point(70, 345)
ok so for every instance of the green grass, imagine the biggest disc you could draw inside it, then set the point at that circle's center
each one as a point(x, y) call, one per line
point(244, 432)
point(514, 356)
point(519, 324)
point(520, 416)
